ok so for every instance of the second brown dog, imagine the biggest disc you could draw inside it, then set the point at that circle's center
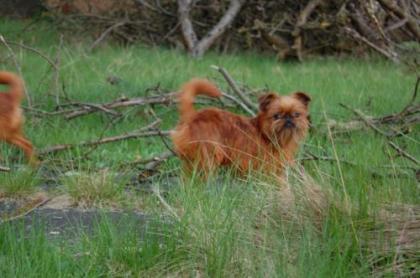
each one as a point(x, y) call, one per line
point(11, 117)
point(212, 137)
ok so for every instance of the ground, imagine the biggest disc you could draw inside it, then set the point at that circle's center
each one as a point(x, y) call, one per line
point(336, 219)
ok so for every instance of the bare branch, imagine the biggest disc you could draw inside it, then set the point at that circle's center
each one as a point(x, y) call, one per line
point(18, 68)
point(301, 21)
point(198, 47)
point(4, 169)
point(390, 55)
point(184, 7)
point(236, 89)
point(411, 22)
point(224, 23)
point(403, 153)
point(106, 33)
point(146, 131)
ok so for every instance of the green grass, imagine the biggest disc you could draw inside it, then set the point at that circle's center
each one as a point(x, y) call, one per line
point(19, 183)
point(225, 227)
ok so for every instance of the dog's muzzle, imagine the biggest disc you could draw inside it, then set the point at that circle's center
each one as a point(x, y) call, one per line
point(289, 123)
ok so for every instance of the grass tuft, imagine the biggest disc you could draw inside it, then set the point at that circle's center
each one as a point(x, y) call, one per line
point(89, 189)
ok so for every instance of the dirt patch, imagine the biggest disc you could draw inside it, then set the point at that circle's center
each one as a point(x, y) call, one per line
point(59, 219)
point(71, 222)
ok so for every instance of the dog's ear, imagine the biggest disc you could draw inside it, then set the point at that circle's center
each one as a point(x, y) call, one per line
point(265, 100)
point(303, 97)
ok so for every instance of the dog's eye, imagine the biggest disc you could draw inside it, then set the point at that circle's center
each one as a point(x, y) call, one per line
point(277, 116)
point(296, 115)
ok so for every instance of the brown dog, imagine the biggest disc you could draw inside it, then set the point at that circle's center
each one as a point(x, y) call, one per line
point(11, 118)
point(212, 137)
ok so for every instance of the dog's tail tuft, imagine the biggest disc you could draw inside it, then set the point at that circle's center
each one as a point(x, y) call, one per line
point(15, 85)
point(190, 90)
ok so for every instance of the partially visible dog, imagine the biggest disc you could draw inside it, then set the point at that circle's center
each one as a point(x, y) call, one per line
point(11, 117)
point(212, 137)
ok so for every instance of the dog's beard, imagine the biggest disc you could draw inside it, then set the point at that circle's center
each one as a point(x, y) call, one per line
point(284, 135)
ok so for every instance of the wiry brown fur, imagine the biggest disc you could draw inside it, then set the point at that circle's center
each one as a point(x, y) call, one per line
point(11, 118)
point(213, 137)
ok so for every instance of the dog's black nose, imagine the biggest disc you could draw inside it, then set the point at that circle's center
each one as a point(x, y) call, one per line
point(289, 123)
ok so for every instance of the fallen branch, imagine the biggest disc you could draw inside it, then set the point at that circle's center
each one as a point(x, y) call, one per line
point(236, 89)
point(387, 53)
point(413, 98)
point(122, 102)
point(239, 103)
point(4, 169)
point(88, 108)
point(403, 153)
point(143, 132)
point(106, 140)
point(32, 205)
point(366, 120)
point(313, 157)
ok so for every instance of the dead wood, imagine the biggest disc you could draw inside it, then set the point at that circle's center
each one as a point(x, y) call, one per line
point(198, 47)
point(289, 28)
point(301, 21)
point(412, 23)
point(398, 122)
point(122, 102)
point(403, 153)
point(251, 107)
point(127, 136)
point(4, 169)
point(147, 131)
point(385, 52)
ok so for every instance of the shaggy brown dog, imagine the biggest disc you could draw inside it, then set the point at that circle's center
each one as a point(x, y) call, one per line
point(212, 137)
point(11, 118)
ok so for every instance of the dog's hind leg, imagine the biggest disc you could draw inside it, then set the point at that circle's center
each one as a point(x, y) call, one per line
point(21, 142)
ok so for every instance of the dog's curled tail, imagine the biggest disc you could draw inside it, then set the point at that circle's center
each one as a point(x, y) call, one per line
point(190, 90)
point(15, 84)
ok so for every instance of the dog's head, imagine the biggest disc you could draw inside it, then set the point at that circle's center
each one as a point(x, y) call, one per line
point(284, 118)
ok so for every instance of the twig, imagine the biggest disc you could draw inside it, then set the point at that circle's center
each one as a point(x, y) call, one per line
point(151, 166)
point(105, 33)
point(413, 98)
point(240, 103)
point(4, 169)
point(403, 153)
point(198, 47)
point(34, 204)
point(312, 157)
point(132, 135)
point(57, 72)
point(367, 121)
point(108, 125)
point(301, 21)
point(18, 68)
point(235, 88)
point(162, 157)
point(390, 55)
point(89, 106)
point(164, 203)
point(105, 140)
point(30, 49)
point(124, 102)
